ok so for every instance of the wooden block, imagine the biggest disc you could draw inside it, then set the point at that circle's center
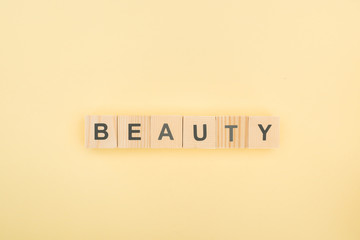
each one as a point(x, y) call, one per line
point(199, 132)
point(101, 131)
point(166, 131)
point(231, 131)
point(264, 132)
point(133, 131)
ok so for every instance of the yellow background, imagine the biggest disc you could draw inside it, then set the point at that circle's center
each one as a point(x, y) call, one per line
point(61, 60)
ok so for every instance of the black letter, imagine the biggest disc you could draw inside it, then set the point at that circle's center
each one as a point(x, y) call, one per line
point(131, 131)
point(264, 131)
point(168, 134)
point(204, 133)
point(231, 133)
point(97, 131)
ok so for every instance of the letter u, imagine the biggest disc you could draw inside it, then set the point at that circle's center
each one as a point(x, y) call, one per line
point(204, 133)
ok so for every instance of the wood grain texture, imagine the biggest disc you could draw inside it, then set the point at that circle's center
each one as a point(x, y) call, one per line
point(256, 136)
point(111, 123)
point(123, 132)
point(175, 126)
point(189, 140)
point(223, 139)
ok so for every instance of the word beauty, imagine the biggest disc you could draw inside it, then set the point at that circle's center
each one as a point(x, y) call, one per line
point(181, 132)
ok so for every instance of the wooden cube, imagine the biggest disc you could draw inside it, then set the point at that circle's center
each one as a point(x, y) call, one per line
point(166, 131)
point(101, 131)
point(231, 131)
point(199, 132)
point(264, 132)
point(133, 131)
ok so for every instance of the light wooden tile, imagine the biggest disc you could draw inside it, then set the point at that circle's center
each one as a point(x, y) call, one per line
point(133, 131)
point(194, 135)
point(264, 132)
point(231, 131)
point(106, 133)
point(171, 127)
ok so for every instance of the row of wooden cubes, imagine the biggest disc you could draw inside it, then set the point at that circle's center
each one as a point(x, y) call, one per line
point(181, 131)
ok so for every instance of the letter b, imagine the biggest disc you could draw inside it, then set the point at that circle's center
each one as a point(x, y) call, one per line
point(103, 131)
